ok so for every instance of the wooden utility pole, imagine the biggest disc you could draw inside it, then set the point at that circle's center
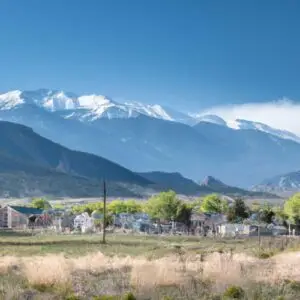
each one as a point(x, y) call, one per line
point(104, 211)
point(258, 231)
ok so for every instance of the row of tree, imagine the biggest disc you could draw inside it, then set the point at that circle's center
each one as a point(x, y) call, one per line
point(168, 206)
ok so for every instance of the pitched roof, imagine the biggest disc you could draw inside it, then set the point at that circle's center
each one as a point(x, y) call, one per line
point(27, 210)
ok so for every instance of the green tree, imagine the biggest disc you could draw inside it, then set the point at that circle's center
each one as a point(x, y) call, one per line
point(214, 204)
point(238, 211)
point(133, 206)
point(163, 206)
point(292, 209)
point(184, 212)
point(116, 206)
point(128, 206)
point(266, 213)
point(280, 215)
point(40, 203)
point(89, 208)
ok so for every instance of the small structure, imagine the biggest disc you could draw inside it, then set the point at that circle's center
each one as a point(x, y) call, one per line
point(84, 223)
point(205, 223)
point(232, 230)
point(17, 216)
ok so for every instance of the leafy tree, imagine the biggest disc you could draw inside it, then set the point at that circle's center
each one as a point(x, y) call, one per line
point(280, 215)
point(184, 212)
point(292, 209)
point(266, 213)
point(129, 206)
point(40, 203)
point(116, 207)
point(163, 206)
point(113, 207)
point(238, 211)
point(133, 206)
point(214, 204)
point(196, 204)
point(89, 208)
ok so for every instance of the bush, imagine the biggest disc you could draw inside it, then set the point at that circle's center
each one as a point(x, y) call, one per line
point(234, 292)
point(294, 285)
point(264, 254)
point(129, 296)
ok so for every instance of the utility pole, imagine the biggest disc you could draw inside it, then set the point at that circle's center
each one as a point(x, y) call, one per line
point(258, 230)
point(104, 211)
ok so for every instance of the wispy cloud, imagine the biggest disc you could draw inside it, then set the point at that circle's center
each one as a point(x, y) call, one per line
point(281, 114)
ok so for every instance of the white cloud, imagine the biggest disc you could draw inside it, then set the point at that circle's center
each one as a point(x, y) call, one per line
point(281, 114)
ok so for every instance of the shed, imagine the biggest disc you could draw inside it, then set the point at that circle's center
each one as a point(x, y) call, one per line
point(17, 216)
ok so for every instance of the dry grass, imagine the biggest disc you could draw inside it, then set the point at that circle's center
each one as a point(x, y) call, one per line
point(6, 263)
point(47, 271)
point(150, 267)
point(180, 275)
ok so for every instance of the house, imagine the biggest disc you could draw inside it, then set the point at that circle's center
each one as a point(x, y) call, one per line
point(17, 216)
point(203, 223)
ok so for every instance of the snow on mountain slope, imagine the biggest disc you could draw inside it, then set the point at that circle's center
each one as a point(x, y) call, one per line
point(245, 124)
point(240, 124)
point(87, 107)
point(211, 119)
point(10, 100)
point(155, 111)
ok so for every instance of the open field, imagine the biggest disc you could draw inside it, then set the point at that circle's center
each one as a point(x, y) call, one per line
point(150, 267)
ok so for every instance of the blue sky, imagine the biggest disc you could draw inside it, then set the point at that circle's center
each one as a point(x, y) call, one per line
point(190, 54)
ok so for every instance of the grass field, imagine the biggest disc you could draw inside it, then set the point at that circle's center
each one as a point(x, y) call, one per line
point(150, 267)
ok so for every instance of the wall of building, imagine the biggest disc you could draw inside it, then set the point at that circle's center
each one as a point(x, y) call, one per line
point(10, 218)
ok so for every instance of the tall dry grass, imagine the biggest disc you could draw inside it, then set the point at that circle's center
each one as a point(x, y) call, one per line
point(7, 262)
point(220, 270)
point(47, 270)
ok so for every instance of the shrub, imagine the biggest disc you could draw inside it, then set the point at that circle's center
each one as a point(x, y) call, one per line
point(294, 285)
point(234, 292)
point(129, 296)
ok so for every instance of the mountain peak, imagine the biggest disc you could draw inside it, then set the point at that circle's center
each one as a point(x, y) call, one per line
point(94, 101)
point(10, 100)
point(214, 119)
point(253, 125)
point(211, 181)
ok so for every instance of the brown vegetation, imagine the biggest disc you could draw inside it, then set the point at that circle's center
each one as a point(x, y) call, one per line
point(180, 276)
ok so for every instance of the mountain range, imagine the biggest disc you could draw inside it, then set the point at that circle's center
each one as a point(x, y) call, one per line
point(283, 185)
point(147, 138)
point(31, 165)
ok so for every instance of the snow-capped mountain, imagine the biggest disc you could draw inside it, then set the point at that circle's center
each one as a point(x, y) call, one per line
point(240, 124)
point(90, 108)
point(152, 137)
point(85, 107)
point(245, 124)
point(211, 119)
point(10, 100)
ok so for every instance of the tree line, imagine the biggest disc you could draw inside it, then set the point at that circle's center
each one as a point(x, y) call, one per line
point(167, 206)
